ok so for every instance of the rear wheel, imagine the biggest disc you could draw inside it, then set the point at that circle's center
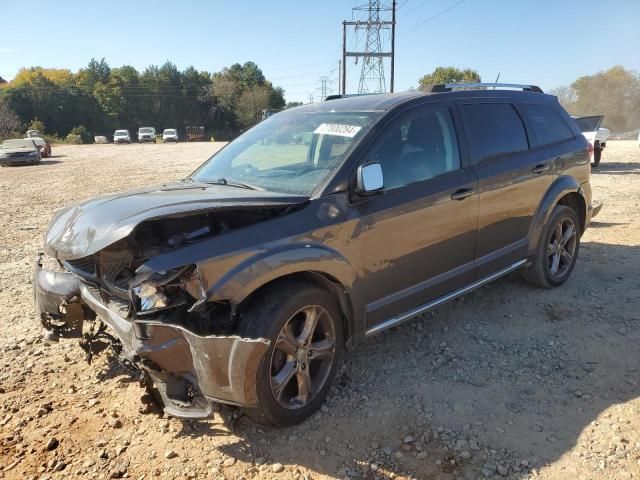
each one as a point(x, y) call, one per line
point(304, 326)
point(558, 249)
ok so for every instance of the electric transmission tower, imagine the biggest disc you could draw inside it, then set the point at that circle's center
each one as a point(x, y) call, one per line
point(376, 27)
point(324, 86)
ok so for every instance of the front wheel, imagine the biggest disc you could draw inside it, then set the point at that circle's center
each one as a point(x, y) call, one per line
point(304, 326)
point(558, 249)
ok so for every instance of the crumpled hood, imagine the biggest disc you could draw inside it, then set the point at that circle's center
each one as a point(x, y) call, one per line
point(85, 228)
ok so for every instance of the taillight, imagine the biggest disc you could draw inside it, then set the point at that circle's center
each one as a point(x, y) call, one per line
point(589, 150)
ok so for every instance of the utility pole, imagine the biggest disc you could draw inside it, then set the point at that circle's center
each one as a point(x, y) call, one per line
point(372, 74)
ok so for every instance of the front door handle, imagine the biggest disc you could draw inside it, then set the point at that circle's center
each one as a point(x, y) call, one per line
point(462, 193)
point(540, 168)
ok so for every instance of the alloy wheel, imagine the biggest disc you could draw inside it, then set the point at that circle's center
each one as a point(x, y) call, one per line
point(562, 247)
point(302, 357)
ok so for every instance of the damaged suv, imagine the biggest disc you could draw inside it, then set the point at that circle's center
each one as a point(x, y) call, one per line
point(324, 224)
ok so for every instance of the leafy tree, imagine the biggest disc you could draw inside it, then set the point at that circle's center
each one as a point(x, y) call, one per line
point(103, 99)
point(37, 125)
point(444, 75)
point(9, 121)
point(615, 93)
point(566, 96)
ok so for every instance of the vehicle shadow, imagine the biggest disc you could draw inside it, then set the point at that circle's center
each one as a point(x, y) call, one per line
point(596, 224)
point(617, 168)
point(510, 374)
point(51, 162)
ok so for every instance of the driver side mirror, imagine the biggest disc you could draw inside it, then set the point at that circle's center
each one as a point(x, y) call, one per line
point(369, 178)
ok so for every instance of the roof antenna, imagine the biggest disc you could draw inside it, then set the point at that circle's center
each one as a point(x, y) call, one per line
point(496, 82)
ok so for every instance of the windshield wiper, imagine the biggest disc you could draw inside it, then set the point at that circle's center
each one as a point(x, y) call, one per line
point(233, 183)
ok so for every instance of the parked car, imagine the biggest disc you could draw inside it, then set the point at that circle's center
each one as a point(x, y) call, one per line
point(121, 136)
point(595, 134)
point(19, 151)
point(170, 135)
point(245, 282)
point(43, 146)
point(147, 134)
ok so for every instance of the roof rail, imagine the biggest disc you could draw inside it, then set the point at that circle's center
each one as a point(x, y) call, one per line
point(348, 95)
point(514, 86)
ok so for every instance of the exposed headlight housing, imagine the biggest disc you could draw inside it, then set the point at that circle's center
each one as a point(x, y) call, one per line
point(154, 291)
point(33, 154)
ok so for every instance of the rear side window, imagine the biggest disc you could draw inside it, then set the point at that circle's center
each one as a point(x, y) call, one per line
point(495, 129)
point(547, 125)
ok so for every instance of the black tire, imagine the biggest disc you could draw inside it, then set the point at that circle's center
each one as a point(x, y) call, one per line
point(597, 154)
point(279, 305)
point(540, 272)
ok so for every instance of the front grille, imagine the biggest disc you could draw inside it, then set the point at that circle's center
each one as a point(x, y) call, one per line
point(116, 274)
point(18, 154)
point(82, 266)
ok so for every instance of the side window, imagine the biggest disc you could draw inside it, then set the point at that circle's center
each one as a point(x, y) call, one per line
point(546, 123)
point(495, 129)
point(417, 147)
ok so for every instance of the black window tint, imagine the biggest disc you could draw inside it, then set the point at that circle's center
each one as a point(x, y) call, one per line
point(420, 146)
point(495, 129)
point(547, 125)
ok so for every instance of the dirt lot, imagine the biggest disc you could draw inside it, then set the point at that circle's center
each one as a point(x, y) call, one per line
point(509, 381)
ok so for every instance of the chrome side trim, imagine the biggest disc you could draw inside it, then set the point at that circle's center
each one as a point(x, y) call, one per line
point(438, 301)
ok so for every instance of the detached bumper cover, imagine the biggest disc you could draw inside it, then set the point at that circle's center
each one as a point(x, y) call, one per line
point(189, 371)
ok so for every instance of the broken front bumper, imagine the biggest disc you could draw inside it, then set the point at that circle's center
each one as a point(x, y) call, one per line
point(189, 371)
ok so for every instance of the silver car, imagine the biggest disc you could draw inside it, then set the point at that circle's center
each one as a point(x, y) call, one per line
point(147, 134)
point(121, 136)
point(170, 135)
point(19, 151)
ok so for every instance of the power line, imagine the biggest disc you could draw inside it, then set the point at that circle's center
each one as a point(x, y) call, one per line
point(438, 14)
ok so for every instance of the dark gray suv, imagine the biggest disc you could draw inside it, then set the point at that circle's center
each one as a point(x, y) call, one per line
point(244, 283)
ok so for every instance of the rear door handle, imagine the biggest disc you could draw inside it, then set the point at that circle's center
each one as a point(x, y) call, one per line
point(542, 167)
point(462, 193)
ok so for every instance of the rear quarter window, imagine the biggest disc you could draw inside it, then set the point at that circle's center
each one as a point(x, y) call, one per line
point(494, 130)
point(547, 125)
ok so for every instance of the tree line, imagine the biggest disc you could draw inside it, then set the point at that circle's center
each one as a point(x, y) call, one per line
point(99, 99)
point(614, 93)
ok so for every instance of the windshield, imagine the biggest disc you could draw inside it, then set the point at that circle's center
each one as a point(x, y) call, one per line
point(170, 132)
point(146, 130)
point(17, 144)
point(589, 124)
point(291, 152)
point(121, 133)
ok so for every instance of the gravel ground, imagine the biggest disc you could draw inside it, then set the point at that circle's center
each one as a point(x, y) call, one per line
point(508, 382)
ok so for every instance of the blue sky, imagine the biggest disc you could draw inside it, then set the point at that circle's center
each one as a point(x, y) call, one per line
point(547, 42)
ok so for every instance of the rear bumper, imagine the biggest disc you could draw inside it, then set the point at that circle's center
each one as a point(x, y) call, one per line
point(188, 370)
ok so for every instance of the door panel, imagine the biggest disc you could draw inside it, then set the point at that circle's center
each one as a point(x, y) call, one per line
point(510, 191)
point(417, 244)
point(512, 179)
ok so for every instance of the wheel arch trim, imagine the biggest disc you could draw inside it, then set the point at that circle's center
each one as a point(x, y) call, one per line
point(320, 262)
point(562, 186)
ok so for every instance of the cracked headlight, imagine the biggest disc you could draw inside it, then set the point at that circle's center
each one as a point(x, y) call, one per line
point(33, 154)
point(154, 291)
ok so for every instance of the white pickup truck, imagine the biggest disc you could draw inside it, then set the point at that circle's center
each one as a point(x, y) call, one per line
point(596, 135)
